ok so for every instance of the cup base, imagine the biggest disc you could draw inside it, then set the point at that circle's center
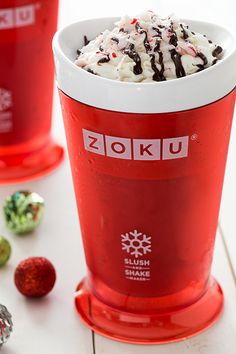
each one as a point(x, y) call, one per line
point(149, 328)
point(23, 167)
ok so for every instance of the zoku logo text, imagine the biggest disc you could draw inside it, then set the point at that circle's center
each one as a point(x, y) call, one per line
point(17, 17)
point(136, 149)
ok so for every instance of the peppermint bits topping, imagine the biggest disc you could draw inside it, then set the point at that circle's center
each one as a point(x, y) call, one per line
point(147, 48)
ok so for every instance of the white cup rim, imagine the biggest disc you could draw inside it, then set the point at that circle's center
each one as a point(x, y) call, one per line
point(185, 93)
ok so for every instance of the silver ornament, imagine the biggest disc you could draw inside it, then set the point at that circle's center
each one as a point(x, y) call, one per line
point(5, 324)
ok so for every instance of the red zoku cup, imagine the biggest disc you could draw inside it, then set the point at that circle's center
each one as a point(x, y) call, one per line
point(26, 87)
point(148, 163)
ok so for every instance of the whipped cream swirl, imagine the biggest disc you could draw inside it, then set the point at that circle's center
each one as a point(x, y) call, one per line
point(148, 48)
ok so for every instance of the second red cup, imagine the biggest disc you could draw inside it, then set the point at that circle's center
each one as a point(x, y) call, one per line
point(27, 149)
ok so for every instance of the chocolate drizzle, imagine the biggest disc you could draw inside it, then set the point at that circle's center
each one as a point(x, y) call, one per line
point(157, 30)
point(136, 58)
point(217, 51)
point(91, 71)
point(161, 62)
point(179, 69)
point(145, 41)
point(203, 57)
point(86, 41)
point(200, 67)
point(104, 59)
point(137, 26)
point(185, 34)
point(158, 74)
point(157, 46)
point(214, 61)
point(173, 39)
point(131, 46)
point(114, 39)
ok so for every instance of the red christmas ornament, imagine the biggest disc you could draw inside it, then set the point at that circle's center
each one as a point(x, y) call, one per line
point(35, 276)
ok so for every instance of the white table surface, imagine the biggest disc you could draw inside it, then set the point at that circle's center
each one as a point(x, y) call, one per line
point(51, 325)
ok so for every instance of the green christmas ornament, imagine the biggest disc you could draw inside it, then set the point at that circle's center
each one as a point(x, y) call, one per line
point(23, 211)
point(5, 251)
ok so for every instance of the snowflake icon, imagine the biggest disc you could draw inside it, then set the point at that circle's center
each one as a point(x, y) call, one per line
point(5, 99)
point(136, 243)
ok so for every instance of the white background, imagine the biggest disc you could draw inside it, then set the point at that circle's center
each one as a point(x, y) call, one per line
point(51, 325)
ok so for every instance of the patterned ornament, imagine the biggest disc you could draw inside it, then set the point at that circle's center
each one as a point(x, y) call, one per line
point(5, 251)
point(23, 211)
point(6, 325)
